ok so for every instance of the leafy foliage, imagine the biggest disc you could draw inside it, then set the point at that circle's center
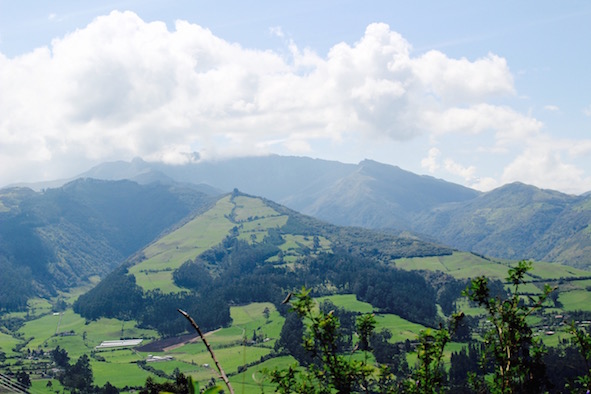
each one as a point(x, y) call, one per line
point(330, 370)
point(510, 344)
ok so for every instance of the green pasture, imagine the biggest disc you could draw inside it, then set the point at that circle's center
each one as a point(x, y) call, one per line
point(46, 327)
point(295, 242)
point(74, 345)
point(7, 343)
point(185, 243)
point(38, 307)
point(85, 336)
point(554, 340)
point(574, 285)
point(545, 270)
point(251, 380)
point(40, 386)
point(119, 374)
point(348, 302)
point(401, 329)
point(229, 357)
point(576, 300)
point(527, 288)
point(460, 265)
point(121, 355)
point(263, 224)
point(246, 208)
point(161, 280)
point(245, 320)
point(72, 294)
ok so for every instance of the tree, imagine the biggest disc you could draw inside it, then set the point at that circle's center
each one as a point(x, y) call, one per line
point(583, 340)
point(78, 377)
point(330, 371)
point(23, 378)
point(60, 357)
point(509, 344)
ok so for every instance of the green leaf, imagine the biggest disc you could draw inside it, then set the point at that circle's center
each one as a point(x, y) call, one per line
point(214, 390)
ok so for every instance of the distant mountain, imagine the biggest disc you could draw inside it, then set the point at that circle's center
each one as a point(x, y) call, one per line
point(516, 221)
point(58, 238)
point(368, 194)
point(377, 195)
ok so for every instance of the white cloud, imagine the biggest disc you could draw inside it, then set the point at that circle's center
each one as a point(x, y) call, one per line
point(457, 169)
point(551, 108)
point(587, 110)
point(276, 31)
point(549, 163)
point(431, 162)
point(121, 87)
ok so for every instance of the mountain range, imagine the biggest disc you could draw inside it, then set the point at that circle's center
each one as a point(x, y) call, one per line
point(515, 221)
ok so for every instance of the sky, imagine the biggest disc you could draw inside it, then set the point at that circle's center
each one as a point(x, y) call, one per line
point(478, 93)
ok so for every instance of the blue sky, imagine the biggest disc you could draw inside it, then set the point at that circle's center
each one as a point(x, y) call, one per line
point(477, 93)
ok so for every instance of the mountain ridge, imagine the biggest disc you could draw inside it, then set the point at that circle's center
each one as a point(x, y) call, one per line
point(381, 196)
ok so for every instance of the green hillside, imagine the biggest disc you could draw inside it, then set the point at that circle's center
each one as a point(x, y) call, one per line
point(230, 265)
point(57, 239)
point(516, 221)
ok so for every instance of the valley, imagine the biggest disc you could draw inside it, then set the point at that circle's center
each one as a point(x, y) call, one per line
point(230, 264)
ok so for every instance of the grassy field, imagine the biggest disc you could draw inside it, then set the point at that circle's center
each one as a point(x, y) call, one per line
point(460, 265)
point(71, 332)
point(254, 381)
point(576, 300)
point(250, 216)
point(401, 329)
point(463, 265)
point(185, 243)
point(348, 302)
point(7, 344)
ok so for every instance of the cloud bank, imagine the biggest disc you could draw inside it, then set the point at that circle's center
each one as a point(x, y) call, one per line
point(122, 87)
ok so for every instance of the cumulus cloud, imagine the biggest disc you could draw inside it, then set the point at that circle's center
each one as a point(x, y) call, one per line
point(549, 163)
point(121, 87)
point(587, 110)
point(431, 162)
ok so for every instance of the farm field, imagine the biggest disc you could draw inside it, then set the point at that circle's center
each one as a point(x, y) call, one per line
point(244, 347)
point(462, 265)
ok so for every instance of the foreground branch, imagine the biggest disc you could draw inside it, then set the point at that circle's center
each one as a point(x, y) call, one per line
point(209, 349)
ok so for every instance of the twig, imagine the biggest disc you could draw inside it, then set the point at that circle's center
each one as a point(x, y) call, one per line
point(209, 349)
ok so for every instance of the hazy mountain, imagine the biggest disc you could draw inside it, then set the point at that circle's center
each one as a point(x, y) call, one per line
point(60, 237)
point(368, 194)
point(377, 195)
point(516, 221)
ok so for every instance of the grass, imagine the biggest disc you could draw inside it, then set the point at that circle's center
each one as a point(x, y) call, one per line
point(249, 215)
point(7, 343)
point(119, 374)
point(185, 243)
point(230, 358)
point(401, 329)
point(85, 336)
point(576, 300)
point(247, 208)
point(251, 380)
point(228, 343)
point(348, 302)
point(460, 265)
